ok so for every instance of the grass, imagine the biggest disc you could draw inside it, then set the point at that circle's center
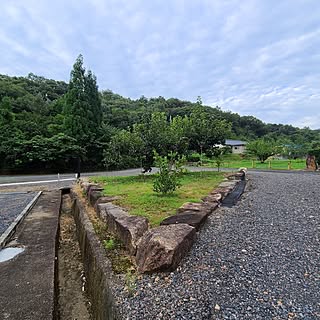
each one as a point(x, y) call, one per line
point(235, 161)
point(138, 197)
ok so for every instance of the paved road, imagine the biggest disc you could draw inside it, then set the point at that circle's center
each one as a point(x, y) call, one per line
point(129, 172)
point(258, 260)
point(47, 177)
point(11, 205)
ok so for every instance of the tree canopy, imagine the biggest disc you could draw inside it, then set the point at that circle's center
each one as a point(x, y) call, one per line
point(47, 124)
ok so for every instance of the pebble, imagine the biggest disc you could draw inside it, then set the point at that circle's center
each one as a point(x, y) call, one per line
point(274, 280)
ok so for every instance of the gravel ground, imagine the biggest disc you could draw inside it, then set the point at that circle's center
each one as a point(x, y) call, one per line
point(257, 260)
point(13, 199)
point(11, 205)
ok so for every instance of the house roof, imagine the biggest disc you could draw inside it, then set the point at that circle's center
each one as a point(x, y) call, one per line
point(230, 142)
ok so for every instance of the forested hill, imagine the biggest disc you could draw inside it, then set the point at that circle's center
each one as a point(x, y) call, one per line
point(123, 112)
point(37, 135)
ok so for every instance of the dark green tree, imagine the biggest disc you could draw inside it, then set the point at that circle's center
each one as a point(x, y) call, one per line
point(82, 110)
point(262, 149)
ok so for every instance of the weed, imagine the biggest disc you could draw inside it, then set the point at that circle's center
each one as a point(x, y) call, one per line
point(109, 244)
point(130, 281)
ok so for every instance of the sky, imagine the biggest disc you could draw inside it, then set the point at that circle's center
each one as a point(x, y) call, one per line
point(259, 58)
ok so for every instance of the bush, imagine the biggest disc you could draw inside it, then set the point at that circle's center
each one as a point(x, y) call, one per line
point(167, 180)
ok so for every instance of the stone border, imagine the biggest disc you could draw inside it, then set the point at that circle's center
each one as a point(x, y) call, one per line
point(5, 237)
point(97, 266)
point(169, 242)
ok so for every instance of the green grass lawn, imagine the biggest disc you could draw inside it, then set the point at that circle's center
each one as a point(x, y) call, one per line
point(138, 197)
point(236, 162)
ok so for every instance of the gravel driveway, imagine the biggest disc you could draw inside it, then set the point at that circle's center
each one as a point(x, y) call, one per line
point(257, 260)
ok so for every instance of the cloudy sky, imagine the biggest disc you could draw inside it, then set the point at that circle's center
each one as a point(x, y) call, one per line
point(258, 58)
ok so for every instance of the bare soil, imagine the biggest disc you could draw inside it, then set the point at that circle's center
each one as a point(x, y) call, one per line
point(72, 300)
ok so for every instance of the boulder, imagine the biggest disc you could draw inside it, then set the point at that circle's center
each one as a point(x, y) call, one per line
point(129, 229)
point(311, 163)
point(94, 196)
point(162, 248)
point(212, 198)
point(192, 218)
point(92, 187)
point(194, 206)
point(228, 184)
point(240, 175)
point(105, 199)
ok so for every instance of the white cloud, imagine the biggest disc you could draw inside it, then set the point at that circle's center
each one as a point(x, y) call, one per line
point(251, 57)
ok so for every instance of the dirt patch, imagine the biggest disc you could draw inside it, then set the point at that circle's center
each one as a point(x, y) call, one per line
point(72, 300)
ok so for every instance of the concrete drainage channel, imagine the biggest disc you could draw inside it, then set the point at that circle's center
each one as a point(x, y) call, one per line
point(72, 301)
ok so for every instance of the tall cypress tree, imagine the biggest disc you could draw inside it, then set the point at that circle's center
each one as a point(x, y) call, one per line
point(82, 110)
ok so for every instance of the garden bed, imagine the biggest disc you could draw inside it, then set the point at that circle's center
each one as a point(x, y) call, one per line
point(137, 195)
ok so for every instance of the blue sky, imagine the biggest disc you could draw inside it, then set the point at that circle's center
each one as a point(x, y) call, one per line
point(258, 58)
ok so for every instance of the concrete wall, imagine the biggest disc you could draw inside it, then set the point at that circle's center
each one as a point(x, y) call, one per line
point(97, 266)
point(238, 149)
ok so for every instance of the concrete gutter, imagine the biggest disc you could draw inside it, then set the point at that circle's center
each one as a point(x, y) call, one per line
point(5, 237)
point(97, 266)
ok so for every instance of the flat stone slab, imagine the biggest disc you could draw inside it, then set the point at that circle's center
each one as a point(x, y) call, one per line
point(193, 206)
point(228, 184)
point(104, 199)
point(192, 218)
point(162, 248)
point(129, 229)
point(213, 198)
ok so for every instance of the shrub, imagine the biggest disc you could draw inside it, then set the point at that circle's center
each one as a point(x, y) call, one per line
point(167, 180)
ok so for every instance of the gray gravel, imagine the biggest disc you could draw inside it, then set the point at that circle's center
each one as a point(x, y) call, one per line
point(11, 205)
point(257, 260)
point(13, 199)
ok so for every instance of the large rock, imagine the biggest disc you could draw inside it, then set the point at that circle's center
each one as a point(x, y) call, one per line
point(311, 163)
point(162, 248)
point(129, 229)
point(94, 196)
point(104, 199)
point(213, 198)
point(228, 184)
point(192, 218)
point(194, 206)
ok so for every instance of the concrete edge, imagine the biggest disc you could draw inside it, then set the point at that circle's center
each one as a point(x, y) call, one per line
point(97, 266)
point(4, 239)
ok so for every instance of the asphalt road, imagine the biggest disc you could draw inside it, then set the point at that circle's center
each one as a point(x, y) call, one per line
point(4, 179)
point(11, 205)
point(47, 177)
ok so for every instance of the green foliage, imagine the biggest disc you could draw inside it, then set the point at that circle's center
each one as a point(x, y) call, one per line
point(109, 244)
point(82, 110)
point(47, 125)
point(315, 152)
point(167, 180)
point(262, 149)
point(123, 151)
point(130, 281)
point(205, 130)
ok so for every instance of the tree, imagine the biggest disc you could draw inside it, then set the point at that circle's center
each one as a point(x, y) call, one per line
point(262, 149)
point(82, 110)
point(123, 151)
point(206, 130)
